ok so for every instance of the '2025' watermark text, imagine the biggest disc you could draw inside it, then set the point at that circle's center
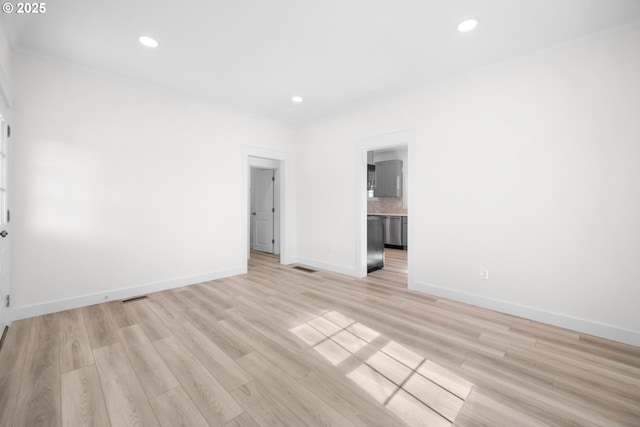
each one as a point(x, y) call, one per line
point(24, 8)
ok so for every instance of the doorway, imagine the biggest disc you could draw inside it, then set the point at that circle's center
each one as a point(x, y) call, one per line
point(387, 215)
point(384, 143)
point(263, 213)
point(278, 162)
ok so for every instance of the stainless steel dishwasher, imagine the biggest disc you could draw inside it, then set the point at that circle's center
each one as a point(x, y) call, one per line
point(375, 243)
point(393, 231)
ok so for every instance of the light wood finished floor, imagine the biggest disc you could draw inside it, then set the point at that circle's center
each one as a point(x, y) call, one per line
point(283, 347)
point(394, 272)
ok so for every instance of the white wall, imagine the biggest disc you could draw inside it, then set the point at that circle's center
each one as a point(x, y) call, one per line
point(5, 67)
point(530, 168)
point(119, 188)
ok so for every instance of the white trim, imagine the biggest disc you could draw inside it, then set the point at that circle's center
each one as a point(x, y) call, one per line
point(275, 170)
point(259, 162)
point(626, 336)
point(24, 312)
point(248, 153)
point(328, 267)
point(395, 139)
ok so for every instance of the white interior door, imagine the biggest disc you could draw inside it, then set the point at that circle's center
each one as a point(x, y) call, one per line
point(262, 210)
point(5, 287)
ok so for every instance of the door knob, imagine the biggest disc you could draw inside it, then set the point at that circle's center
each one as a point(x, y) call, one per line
point(4, 233)
point(252, 213)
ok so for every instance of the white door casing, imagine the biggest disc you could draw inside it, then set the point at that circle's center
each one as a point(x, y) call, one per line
point(5, 288)
point(391, 140)
point(262, 214)
point(281, 163)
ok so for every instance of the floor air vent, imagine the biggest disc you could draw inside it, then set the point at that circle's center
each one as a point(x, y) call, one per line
point(134, 298)
point(305, 269)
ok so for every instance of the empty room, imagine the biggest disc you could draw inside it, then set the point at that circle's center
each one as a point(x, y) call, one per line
point(338, 213)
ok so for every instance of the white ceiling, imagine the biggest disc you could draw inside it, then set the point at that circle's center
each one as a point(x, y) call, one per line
point(253, 55)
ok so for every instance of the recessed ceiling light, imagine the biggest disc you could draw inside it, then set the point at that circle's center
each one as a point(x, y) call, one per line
point(467, 25)
point(148, 41)
point(297, 99)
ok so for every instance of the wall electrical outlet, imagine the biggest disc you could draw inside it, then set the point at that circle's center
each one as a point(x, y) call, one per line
point(484, 274)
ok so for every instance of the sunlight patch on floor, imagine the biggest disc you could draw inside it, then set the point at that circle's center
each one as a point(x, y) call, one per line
point(413, 388)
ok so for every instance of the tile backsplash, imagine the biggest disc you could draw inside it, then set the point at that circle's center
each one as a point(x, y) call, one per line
point(387, 205)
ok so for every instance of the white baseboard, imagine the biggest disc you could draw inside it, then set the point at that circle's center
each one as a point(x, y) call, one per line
point(349, 271)
point(24, 312)
point(602, 330)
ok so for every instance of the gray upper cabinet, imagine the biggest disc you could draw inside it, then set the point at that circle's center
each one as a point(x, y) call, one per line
point(388, 179)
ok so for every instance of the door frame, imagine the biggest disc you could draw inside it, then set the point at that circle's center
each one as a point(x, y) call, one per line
point(391, 140)
point(273, 166)
point(5, 105)
point(256, 156)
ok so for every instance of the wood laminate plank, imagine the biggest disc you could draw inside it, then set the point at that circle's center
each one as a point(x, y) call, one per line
point(220, 288)
point(172, 299)
point(18, 334)
point(82, 399)
point(153, 374)
point(434, 396)
point(621, 369)
point(255, 307)
point(100, 326)
point(75, 348)
point(255, 399)
point(332, 352)
point(39, 397)
point(346, 398)
point(175, 409)
point(446, 379)
point(44, 333)
point(161, 307)
point(400, 403)
point(349, 341)
point(214, 402)
point(11, 359)
point(558, 364)
point(304, 404)
point(222, 337)
point(280, 335)
point(428, 392)
point(123, 394)
point(480, 410)
point(625, 405)
point(243, 420)
point(216, 361)
point(147, 319)
point(552, 402)
point(197, 300)
point(8, 397)
point(296, 366)
point(393, 370)
point(403, 354)
point(213, 298)
point(119, 314)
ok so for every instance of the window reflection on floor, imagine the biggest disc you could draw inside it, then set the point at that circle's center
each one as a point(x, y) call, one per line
point(415, 389)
